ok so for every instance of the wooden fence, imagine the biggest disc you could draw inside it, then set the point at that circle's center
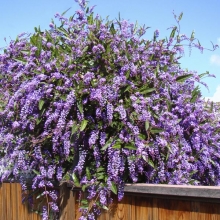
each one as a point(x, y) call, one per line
point(141, 202)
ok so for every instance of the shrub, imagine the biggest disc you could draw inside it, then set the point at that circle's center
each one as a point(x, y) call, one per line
point(94, 103)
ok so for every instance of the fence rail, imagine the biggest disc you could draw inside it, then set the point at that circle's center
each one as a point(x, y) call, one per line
point(141, 202)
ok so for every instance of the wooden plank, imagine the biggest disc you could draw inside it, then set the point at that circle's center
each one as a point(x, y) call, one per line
point(66, 203)
point(4, 201)
point(1, 201)
point(71, 206)
point(62, 203)
point(22, 207)
point(104, 215)
point(195, 209)
point(7, 201)
point(207, 211)
point(120, 211)
point(77, 213)
point(163, 209)
point(181, 209)
point(173, 209)
point(132, 207)
point(143, 208)
point(14, 201)
point(155, 209)
point(127, 207)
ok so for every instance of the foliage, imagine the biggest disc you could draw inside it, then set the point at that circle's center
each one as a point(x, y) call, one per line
point(94, 103)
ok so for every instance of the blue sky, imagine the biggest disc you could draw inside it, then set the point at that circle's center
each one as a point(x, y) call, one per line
point(201, 16)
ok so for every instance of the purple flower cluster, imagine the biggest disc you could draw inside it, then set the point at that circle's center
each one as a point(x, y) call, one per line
point(94, 103)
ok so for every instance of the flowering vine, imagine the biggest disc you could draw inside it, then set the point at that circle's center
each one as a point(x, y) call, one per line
point(93, 102)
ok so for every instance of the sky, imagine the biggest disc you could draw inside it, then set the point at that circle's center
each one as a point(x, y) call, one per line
point(202, 16)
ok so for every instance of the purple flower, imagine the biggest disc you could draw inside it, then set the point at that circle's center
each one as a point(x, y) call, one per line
point(15, 125)
point(44, 213)
point(109, 111)
point(88, 77)
point(93, 138)
point(59, 173)
point(156, 33)
point(121, 111)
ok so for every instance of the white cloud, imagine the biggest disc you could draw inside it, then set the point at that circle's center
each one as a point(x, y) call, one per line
point(216, 95)
point(215, 59)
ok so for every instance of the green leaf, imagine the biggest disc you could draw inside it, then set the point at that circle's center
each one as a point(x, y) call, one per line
point(151, 57)
point(88, 174)
point(90, 19)
point(38, 121)
point(211, 107)
point(83, 124)
point(39, 47)
point(203, 74)
point(114, 188)
point(150, 162)
point(100, 169)
point(87, 10)
point(116, 146)
point(128, 87)
point(84, 187)
point(91, 62)
point(112, 29)
point(84, 202)
point(26, 52)
point(195, 94)
point(212, 162)
point(20, 60)
point(84, 207)
point(142, 136)
point(146, 125)
point(192, 36)
point(192, 182)
point(65, 11)
point(173, 32)
point(107, 144)
point(64, 32)
point(100, 176)
point(183, 77)
point(130, 147)
point(74, 128)
point(145, 158)
point(179, 120)
point(148, 91)
point(169, 148)
point(169, 105)
point(85, 49)
point(180, 16)
point(36, 172)
point(105, 207)
point(80, 107)
point(42, 194)
point(165, 68)
point(40, 104)
point(75, 180)
point(156, 130)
